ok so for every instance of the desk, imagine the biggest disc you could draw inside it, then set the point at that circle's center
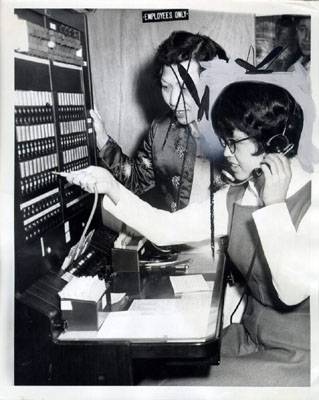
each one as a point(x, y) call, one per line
point(89, 357)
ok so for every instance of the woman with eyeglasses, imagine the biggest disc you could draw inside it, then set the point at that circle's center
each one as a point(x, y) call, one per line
point(268, 211)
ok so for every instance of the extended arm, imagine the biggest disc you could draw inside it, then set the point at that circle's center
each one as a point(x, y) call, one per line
point(191, 224)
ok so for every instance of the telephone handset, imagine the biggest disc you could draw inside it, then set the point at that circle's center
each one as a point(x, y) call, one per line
point(228, 178)
point(276, 144)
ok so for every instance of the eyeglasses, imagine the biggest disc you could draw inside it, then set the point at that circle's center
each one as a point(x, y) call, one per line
point(231, 143)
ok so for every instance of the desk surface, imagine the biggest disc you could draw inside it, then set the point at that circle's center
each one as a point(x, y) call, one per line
point(171, 307)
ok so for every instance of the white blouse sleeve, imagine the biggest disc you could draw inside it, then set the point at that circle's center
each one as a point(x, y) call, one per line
point(291, 254)
point(191, 224)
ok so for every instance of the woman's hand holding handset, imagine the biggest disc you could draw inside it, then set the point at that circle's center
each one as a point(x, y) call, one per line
point(275, 179)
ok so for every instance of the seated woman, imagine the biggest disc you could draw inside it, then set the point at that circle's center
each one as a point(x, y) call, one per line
point(268, 212)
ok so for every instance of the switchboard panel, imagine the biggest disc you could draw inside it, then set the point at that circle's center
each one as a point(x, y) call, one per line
point(53, 133)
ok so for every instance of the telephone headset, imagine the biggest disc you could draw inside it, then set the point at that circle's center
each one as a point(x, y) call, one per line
point(278, 143)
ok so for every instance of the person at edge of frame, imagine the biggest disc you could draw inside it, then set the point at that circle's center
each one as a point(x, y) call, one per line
point(286, 36)
point(268, 211)
point(173, 157)
point(303, 38)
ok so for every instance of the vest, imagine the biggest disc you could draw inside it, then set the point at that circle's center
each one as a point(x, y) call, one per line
point(268, 320)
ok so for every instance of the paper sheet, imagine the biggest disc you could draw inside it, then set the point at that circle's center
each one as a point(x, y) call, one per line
point(83, 288)
point(185, 318)
point(188, 283)
point(116, 297)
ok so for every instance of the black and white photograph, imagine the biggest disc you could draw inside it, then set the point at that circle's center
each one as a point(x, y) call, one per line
point(291, 34)
point(161, 219)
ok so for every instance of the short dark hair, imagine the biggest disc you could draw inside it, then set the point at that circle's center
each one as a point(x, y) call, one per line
point(258, 109)
point(285, 21)
point(181, 46)
point(298, 18)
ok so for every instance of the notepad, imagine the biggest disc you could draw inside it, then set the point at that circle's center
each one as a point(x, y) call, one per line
point(188, 284)
point(83, 288)
point(184, 318)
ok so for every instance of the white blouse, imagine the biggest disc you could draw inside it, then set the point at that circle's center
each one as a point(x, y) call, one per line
point(291, 255)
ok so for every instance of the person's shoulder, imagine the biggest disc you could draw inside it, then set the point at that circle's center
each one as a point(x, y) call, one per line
point(299, 66)
point(300, 176)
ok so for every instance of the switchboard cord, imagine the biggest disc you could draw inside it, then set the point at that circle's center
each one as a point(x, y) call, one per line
point(81, 242)
point(87, 225)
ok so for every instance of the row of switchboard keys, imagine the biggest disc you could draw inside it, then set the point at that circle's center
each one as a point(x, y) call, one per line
point(47, 143)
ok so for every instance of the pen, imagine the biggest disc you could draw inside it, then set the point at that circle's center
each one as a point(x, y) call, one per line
point(173, 268)
point(165, 263)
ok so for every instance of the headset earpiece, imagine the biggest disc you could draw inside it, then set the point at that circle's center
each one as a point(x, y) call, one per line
point(280, 143)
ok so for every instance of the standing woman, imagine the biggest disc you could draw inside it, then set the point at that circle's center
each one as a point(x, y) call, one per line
point(268, 210)
point(173, 158)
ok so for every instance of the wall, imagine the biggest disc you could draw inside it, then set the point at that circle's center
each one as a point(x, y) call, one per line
point(122, 48)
